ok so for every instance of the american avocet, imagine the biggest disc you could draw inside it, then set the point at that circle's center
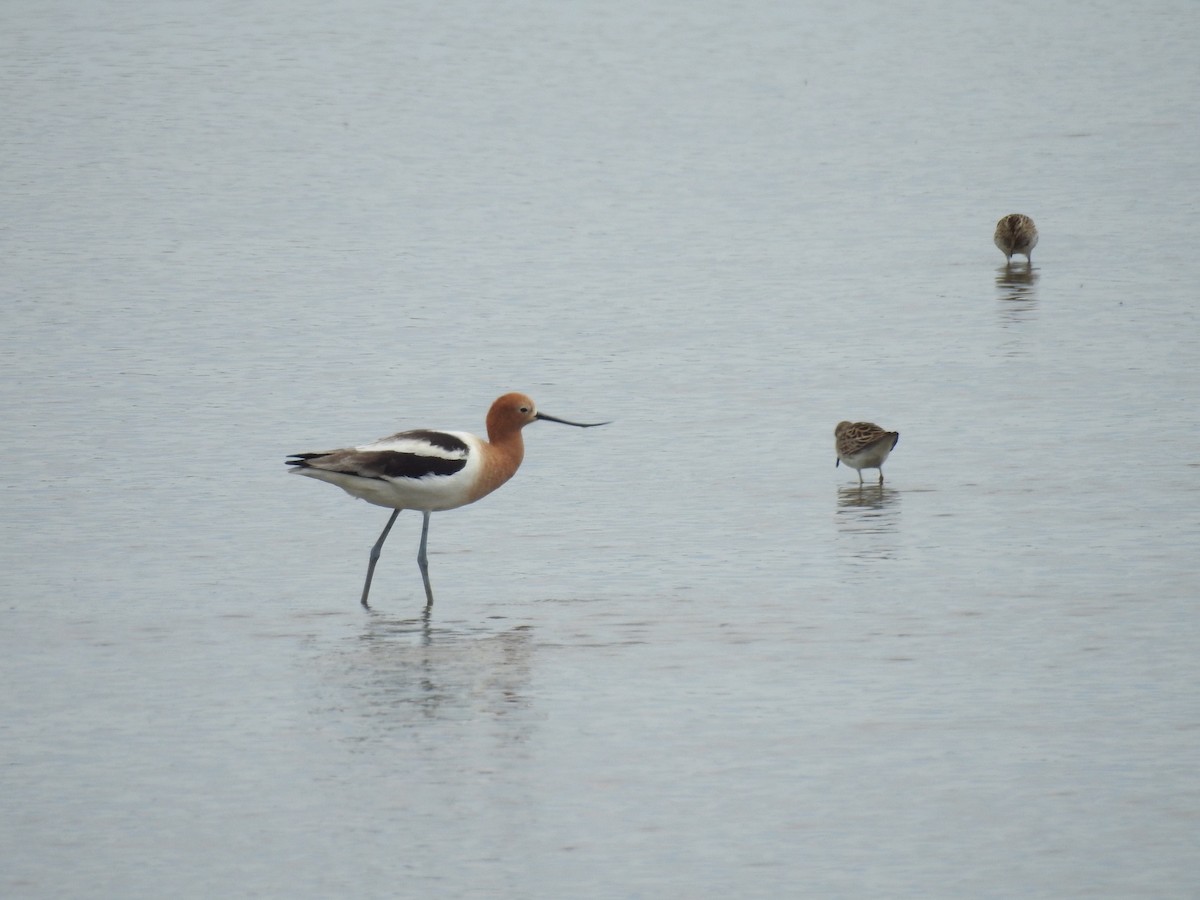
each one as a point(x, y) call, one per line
point(429, 470)
point(1016, 233)
point(863, 445)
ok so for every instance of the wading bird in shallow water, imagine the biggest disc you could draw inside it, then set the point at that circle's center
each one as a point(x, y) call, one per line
point(1016, 233)
point(429, 470)
point(863, 445)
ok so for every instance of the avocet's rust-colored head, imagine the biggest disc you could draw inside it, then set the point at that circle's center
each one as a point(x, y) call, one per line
point(512, 412)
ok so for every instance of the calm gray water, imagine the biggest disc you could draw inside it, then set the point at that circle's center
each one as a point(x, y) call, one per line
point(680, 656)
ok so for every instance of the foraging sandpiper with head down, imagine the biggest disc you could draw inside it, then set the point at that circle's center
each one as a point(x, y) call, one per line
point(863, 445)
point(1016, 233)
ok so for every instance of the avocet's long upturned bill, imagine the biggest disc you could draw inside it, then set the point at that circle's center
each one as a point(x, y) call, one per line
point(429, 470)
point(863, 445)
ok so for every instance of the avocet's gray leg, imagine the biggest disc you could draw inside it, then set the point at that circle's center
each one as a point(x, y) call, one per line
point(375, 556)
point(423, 562)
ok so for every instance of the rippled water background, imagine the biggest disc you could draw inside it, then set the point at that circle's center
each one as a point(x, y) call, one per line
point(679, 656)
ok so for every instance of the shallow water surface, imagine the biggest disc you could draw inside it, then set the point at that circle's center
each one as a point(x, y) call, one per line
point(679, 656)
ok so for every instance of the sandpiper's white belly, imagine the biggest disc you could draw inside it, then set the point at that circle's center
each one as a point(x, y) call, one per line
point(869, 458)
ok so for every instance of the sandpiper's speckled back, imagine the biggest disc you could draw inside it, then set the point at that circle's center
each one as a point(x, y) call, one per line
point(1016, 233)
point(856, 440)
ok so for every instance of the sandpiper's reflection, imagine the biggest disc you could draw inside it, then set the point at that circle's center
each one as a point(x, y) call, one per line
point(869, 514)
point(400, 673)
point(867, 502)
point(1016, 285)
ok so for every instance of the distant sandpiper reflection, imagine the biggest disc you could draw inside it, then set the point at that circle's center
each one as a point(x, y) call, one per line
point(1016, 233)
point(863, 445)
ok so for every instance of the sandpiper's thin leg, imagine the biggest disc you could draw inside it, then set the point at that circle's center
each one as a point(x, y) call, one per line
point(881, 474)
point(375, 557)
point(423, 562)
point(860, 481)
